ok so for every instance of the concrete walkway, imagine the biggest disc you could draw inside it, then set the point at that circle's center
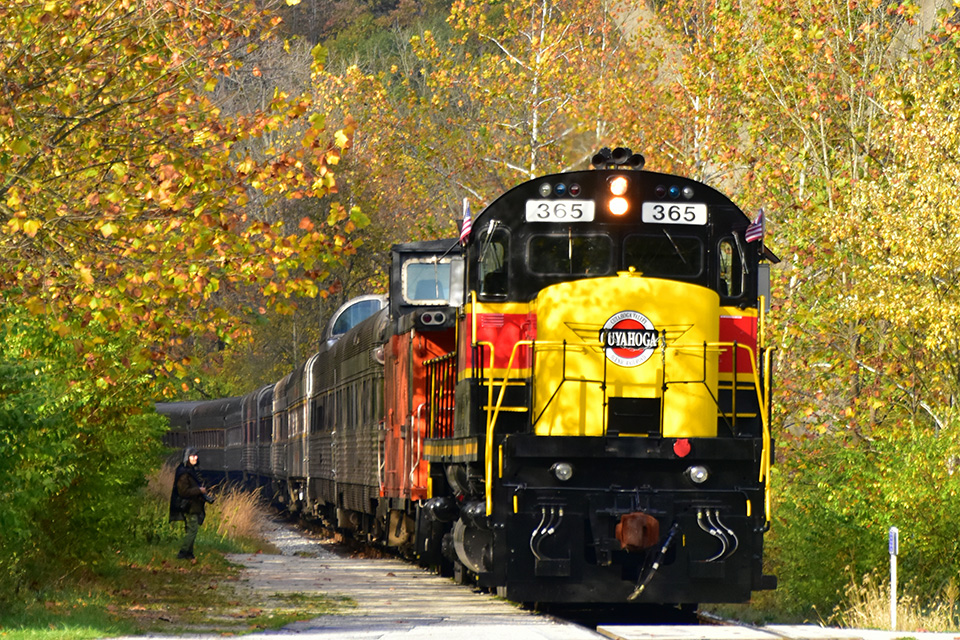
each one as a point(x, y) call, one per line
point(395, 600)
point(770, 632)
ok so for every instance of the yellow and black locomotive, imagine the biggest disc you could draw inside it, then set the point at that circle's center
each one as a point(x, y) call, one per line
point(568, 404)
point(610, 434)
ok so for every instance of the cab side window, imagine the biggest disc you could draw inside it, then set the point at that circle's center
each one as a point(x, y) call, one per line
point(493, 270)
point(730, 269)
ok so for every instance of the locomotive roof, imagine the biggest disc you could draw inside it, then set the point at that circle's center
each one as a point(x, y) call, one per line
point(593, 183)
point(429, 246)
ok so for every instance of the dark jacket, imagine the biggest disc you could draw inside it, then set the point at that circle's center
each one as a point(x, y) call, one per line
point(186, 485)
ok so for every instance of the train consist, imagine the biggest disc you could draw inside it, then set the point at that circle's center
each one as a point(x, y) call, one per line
point(568, 404)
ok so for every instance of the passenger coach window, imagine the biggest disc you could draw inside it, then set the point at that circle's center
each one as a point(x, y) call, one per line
point(316, 415)
point(493, 270)
point(356, 314)
point(731, 270)
point(569, 254)
point(664, 255)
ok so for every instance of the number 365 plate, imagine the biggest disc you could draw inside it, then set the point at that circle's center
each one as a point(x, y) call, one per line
point(674, 213)
point(559, 210)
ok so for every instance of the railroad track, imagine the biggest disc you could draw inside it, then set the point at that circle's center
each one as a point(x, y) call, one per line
point(626, 622)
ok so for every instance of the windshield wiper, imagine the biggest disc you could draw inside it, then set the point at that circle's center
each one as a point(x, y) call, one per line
point(675, 247)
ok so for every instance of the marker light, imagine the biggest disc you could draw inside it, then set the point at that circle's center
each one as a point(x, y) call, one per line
point(433, 317)
point(618, 185)
point(697, 474)
point(574, 189)
point(563, 471)
point(688, 192)
point(560, 189)
point(545, 189)
point(619, 206)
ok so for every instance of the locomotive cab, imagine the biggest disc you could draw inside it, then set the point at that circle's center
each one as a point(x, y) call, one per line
point(426, 284)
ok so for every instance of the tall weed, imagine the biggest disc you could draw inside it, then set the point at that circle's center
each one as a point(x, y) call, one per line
point(238, 513)
point(866, 605)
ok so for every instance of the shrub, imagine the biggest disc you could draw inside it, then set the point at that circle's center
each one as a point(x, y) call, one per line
point(837, 499)
point(76, 445)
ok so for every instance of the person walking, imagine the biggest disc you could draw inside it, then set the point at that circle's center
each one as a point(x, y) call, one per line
point(188, 500)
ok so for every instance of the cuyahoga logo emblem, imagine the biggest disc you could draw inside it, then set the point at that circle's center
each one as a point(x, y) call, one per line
point(629, 338)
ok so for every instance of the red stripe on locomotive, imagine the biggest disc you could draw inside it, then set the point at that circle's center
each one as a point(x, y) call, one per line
point(742, 330)
point(503, 331)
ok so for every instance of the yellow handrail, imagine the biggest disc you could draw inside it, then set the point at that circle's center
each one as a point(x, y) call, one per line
point(763, 396)
point(493, 411)
point(767, 355)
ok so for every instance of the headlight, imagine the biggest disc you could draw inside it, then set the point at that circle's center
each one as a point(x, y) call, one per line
point(619, 206)
point(697, 474)
point(619, 185)
point(563, 471)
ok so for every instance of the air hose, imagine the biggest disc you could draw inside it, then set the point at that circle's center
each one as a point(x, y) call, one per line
point(642, 584)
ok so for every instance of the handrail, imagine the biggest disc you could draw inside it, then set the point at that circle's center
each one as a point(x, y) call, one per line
point(441, 387)
point(763, 396)
point(492, 417)
point(767, 356)
point(762, 387)
point(762, 321)
point(381, 460)
point(416, 432)
point(488, 445)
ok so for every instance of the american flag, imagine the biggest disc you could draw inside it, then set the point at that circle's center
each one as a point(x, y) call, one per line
point(755, 230)
point(467, 222)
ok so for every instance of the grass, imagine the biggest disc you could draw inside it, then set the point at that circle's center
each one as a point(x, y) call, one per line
point(144, 589)
point(867, 606)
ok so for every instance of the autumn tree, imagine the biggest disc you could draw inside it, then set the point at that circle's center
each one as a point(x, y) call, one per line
point(497, 97)
point(911, 283)
point(124, 226)
point(862, 394)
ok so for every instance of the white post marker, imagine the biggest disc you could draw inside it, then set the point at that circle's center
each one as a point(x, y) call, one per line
point(894, 551)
